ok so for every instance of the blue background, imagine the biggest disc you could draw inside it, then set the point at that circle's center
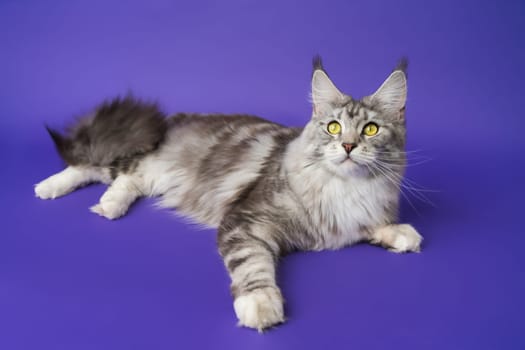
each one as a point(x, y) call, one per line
point(72, 280)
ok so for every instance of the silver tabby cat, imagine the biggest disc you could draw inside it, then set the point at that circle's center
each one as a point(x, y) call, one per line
point(269, 189)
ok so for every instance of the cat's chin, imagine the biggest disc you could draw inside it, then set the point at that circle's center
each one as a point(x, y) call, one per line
point(347, 168)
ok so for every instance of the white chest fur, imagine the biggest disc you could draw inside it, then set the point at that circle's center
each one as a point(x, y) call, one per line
point(338, 209)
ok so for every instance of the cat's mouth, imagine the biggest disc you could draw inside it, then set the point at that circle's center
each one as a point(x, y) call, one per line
point(348, 160)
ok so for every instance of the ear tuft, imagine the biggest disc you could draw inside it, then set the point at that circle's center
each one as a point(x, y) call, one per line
point(402, 65)
point(317, 63)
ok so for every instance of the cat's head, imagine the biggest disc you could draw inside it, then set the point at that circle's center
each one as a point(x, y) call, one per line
point(351, 137)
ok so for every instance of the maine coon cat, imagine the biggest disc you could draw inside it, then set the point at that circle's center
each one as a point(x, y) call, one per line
point(269, 189)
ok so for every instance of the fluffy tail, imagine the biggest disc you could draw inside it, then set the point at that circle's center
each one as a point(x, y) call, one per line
point(118, 132)
point(62, 145)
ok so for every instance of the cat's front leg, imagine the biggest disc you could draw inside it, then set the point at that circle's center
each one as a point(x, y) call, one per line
point(399, 238)
point(251, 260)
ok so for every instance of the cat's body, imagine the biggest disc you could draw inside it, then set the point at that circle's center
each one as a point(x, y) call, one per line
point(268, 189)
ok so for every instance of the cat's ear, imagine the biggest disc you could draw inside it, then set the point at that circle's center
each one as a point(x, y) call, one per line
point(392, 94)
point(324, 92)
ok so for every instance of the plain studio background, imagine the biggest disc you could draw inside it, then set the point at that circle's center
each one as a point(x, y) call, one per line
point(72, 280)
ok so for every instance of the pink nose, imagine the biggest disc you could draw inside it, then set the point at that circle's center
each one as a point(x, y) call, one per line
point(348, 147)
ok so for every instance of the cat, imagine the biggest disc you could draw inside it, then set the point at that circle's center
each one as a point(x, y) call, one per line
point(267, 188)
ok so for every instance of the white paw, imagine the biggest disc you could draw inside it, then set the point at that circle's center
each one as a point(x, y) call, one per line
point(260, 309)
point(45, 190)
point(109, 209)
point(398, 238)
point(406, 239)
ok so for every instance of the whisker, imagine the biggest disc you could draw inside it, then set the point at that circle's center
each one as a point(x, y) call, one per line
point(396, 161)
point(396, 183)
point(400, 152)
point(390, 171)
point(416, 192)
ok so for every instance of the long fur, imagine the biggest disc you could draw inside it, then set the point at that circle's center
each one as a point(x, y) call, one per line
point(268, 189)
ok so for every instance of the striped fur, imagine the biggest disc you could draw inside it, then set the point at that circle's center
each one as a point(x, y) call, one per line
point(268, 189)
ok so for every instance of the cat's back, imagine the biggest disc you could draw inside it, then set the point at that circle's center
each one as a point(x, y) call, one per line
point(206, 161)
point(214, 144)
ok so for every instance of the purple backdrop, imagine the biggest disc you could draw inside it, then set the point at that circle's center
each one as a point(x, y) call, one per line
point(72, 280)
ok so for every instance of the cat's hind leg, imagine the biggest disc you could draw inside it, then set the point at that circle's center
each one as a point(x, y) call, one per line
point(68, 180)
point(119, 196)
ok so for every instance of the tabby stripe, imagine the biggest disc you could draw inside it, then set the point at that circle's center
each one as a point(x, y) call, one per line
point(236, 262)
point(256, 284)
point(266, 245)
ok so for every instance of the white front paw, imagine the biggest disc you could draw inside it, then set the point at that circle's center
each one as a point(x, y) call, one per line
point(406, 239)
point(260, 309)
point(398, 238)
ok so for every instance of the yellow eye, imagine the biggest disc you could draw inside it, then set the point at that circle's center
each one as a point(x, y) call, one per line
point(334, 128)
point(370, 129)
